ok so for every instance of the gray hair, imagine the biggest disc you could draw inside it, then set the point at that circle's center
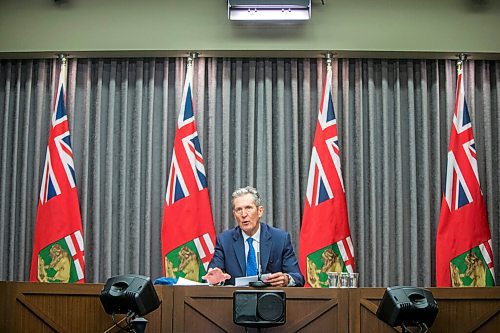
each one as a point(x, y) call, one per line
point(247, 190)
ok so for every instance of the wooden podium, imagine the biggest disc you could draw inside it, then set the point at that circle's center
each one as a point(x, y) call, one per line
point(40, 307)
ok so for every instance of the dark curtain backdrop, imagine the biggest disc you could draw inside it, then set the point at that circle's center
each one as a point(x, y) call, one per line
point(256, 120)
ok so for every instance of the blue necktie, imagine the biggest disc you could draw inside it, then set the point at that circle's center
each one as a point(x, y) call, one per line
point(251, 260)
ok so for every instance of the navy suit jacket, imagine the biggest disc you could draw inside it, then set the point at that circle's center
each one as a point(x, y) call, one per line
point(276, 253)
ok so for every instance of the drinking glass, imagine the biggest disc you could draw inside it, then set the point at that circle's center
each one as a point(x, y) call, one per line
point(353, 280)
point(333, 279)
point(344, 280)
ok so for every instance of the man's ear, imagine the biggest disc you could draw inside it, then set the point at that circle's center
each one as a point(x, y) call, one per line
point(260, 210)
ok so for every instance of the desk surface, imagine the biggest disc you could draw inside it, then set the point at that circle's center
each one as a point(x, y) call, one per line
point(40, 307)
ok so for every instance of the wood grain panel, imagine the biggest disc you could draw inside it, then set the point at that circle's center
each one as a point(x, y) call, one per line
point(210, 309)
point(40, 307)
point(43, 307)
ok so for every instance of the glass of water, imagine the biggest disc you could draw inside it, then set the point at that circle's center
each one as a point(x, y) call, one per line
point(344, 280)
point(333, 279)
point(353, 280)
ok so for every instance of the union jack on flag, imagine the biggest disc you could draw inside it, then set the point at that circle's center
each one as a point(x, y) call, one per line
point(325, 157)
point(58, 165)
point(187, 173)
point(461, 170)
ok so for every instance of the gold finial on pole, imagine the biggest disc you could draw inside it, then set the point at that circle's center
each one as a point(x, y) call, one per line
point(191, 57)
point(328, 57)
point(63, 58)
point(462, 57)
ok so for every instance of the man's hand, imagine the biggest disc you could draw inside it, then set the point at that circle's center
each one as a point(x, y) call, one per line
point(215, 276)
point(278, 279)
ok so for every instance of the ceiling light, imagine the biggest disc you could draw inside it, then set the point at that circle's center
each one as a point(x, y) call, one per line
point(269, 10)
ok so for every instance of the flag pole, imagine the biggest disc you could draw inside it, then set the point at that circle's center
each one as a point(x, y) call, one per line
point(462, 57)
point(62, 57)
point(191, 57)
point(328, 57)
point(189, 71)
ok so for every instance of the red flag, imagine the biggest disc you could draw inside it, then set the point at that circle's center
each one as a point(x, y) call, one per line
point(188, 232)
point(325, 238)
point(464, 256)
point(58, 249)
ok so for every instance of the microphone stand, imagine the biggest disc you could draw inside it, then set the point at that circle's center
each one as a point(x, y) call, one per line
point(259, 283)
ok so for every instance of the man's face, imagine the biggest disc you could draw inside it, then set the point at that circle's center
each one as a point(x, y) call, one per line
point(247, 214)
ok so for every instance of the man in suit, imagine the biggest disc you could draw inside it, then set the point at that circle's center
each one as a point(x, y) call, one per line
point(233, 252)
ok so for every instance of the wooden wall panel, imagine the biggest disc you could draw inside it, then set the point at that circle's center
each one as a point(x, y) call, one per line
point(39, 307)
point(43, 307)
point(210, 309)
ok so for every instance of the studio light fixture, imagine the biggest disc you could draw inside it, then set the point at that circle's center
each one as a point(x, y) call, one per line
point(269, 10)
point(132, 295)
point(408, 307)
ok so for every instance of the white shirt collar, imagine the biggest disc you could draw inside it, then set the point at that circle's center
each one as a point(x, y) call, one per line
point(256, 236)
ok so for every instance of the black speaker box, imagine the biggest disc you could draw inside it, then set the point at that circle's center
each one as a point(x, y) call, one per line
point(129, 293)
point(259, 308)
point(407, 306)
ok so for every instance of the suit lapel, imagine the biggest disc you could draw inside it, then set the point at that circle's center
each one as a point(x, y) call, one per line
point(265, 246)
point(239, 249)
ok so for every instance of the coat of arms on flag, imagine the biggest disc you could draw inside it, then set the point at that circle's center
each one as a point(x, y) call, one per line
point(325, 238)
point(188, 232)
point(62, 261)
point(58, 247)
point(331, 258)
point(464, 257)
point(190, 260)
point(473, 268)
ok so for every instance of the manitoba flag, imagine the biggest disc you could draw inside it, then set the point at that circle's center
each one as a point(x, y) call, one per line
point(325, 238)
point(58, 250)
point(188, 232)
point(464, 256)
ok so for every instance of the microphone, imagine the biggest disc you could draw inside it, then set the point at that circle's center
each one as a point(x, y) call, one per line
point(259, 267)
point(259, 283)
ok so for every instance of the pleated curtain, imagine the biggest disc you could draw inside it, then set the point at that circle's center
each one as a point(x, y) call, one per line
point(256, 120)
